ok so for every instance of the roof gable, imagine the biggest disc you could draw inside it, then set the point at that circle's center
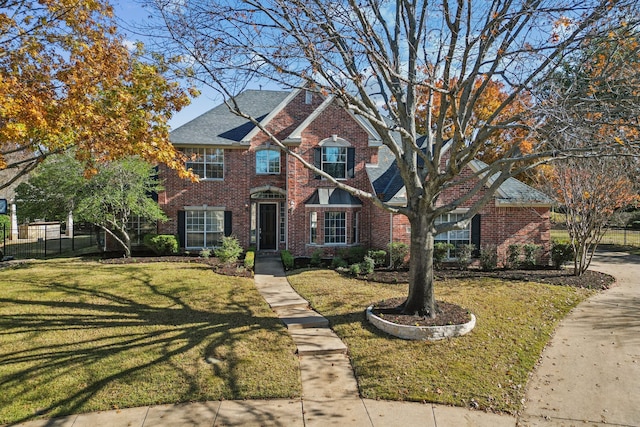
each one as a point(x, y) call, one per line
point(219, 126)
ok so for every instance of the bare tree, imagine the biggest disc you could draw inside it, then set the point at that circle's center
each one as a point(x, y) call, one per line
point(374, 56)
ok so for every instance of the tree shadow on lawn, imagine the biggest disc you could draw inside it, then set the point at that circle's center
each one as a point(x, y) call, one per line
point(121, 328)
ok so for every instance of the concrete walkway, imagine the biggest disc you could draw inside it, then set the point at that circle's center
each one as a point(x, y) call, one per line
point(589, 375)
point(590, 372)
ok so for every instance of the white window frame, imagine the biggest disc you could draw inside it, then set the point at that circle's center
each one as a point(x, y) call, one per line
point(206, 158)
point(313, 228)
point(207, 223)
point(270, 161)
point(332, 225)
point(324, 161)
point(456, 237)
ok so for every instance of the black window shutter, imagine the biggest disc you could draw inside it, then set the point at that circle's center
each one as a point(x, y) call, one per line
point(351, 162)
point(317, 159)
point(181, 228)
point(227, 223)
point(475, 234)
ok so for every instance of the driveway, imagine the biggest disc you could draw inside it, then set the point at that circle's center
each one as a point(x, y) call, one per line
point(590, 372)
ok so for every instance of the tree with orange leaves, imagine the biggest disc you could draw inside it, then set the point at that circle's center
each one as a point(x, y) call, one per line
point(490, 94)
point(68, 80)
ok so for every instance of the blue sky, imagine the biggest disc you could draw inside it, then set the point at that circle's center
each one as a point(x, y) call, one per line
point(131, 12)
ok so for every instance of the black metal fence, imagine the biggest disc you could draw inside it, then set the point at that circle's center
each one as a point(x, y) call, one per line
point(613, 236)
point(45, 240)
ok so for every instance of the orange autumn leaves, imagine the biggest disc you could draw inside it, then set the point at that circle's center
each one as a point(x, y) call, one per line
point(490, 107)
point(67, 80)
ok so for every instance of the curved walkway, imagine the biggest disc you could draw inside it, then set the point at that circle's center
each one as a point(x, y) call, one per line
point(589, 374)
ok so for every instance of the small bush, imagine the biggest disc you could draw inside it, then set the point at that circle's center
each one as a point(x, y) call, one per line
point(249, 260)
point(379, 257)
point(316, 258)
point(464, 253)
point(287, 259)
point(489, 257)
point(513, 256)
point(367, 265)
point(531, 251)
point(161, 244)
point(398, 251)
point(5, 227)
point(440, 252)
point(205, 253)
point(338, 262)
point(354, 269)
point(352, 255)
point(561, 253)
point(229, 251)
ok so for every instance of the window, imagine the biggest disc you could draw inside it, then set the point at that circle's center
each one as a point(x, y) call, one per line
point(267, 162)
point(335, 228)
point(138, 227)
point(204, 228)
point(334, 161)
point(455, 237)
point(283, 219)
point(313, 220)
point(207, 163)
point(355, 224)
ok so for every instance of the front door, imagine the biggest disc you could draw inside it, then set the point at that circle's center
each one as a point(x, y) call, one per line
point(267, 227)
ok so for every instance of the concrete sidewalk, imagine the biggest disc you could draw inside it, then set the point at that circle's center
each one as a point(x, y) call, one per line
point(589, 373)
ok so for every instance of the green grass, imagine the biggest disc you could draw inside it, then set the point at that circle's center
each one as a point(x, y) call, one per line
point(79, 336)
point(490, 366)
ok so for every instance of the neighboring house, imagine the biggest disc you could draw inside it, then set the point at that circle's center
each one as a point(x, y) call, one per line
point(249, 188)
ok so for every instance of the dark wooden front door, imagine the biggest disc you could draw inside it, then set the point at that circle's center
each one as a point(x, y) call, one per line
point(268, 216)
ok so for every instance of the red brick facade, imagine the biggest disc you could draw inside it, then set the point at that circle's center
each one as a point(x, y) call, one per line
point(246, 196)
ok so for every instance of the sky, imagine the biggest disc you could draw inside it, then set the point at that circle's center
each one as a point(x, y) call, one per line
point(130, 12)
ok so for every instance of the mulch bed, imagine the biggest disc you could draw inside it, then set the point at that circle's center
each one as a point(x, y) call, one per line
point(226, 269)
point(446, 314)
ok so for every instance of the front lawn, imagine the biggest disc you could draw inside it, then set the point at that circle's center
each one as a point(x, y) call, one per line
point(79, 336)
point(487, 369)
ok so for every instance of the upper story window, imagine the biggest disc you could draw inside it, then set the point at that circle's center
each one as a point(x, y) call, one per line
point(207, 163)
point(334, 161)
point(267, 162)
point(336, 157)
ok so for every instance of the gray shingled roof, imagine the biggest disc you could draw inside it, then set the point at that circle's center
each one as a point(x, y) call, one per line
point(388, 183)
point(219, 126)
point(332, 196)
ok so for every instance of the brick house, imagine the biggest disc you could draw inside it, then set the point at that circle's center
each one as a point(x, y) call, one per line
point(267, 199)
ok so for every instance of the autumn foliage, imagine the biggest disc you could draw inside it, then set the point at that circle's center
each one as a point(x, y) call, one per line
point(67, 79)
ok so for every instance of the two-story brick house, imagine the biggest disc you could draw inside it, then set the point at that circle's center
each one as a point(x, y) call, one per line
point(267, 199)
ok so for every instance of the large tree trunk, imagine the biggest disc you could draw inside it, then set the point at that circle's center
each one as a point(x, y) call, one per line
point(421, 298)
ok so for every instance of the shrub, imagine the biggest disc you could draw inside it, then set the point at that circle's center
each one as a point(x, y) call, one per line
point(398, 251)
point(338, 262)
point(513, 256)
point(352, 255)
point(367, 265)
point(489, 257)
point(464, 253)
point(287, 259)
point(205, 253)
point(379, 257)
point(249, 260)
point(229, 251)
point(161, 244)
point(316, 258)
point(440, 252)
point(561, 253)
point(531, 251)
point(354, 269)
point(5, 227)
